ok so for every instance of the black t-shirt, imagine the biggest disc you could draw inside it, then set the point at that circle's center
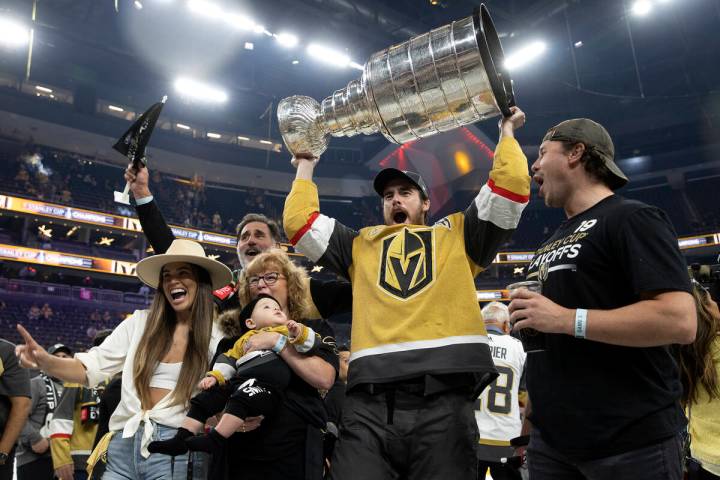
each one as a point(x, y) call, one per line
point(282, 437)
point(14, 380)
point(592, 399)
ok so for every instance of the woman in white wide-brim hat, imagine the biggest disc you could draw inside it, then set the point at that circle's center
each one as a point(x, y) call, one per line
point(162, 353)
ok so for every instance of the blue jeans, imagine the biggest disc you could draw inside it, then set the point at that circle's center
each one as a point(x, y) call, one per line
point(126, 463)
point(662, 460)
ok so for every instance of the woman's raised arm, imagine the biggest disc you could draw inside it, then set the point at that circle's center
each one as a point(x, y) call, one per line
point(33, 355)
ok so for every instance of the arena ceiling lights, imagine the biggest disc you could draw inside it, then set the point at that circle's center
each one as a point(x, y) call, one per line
point(287, 40)
point(206, 9)
point(642, 8)
point(13, 34)
point(331, 57)
point(525, 55)
point(214, 11)
point(328, 55)
point(195, 90)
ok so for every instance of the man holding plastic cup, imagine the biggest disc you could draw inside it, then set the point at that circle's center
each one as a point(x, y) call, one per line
point(604, 393)
point(532, 340)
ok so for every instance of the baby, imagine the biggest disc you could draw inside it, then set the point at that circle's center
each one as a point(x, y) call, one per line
point(243, 384)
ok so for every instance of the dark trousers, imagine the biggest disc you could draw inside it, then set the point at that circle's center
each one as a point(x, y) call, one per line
point(295, 455)
point(662, 460)
point(490, 456)
point(6, 471)
point(80, 475)
point(40, 469)
point(696, 472)
point(499, 471)
point(400, 435)
point(242, 397)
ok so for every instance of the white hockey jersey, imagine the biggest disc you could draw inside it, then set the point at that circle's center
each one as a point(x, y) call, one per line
point(497, 410)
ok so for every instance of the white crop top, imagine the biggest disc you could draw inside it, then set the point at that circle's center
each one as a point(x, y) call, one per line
point(166, 375)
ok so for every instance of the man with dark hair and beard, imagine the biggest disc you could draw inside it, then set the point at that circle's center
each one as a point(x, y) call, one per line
point(604, 394)
point(419, 352)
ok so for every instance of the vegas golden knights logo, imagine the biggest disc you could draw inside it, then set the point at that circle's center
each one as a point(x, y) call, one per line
point(543, 271)
point(407, 262)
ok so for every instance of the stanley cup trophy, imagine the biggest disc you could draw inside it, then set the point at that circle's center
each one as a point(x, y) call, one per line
point(434, 82)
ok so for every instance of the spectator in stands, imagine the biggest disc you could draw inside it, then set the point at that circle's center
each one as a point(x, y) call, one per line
point(46, 311)
point(34, 312)
point(14, 406)
point(498, 416)
point(202, 220)
point(260, 201)
point(700, 373)
point(89, 180)
point(91, 331)
point(27, 272)
point(66, 196)
point(217, 224)
point(615, 294)
point(43, 185)
point(162, 352)
point(34, 461)
point(22, 175)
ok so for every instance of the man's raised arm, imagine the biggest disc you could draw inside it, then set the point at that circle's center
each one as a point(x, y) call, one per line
point(495, 212)
point(322, 239)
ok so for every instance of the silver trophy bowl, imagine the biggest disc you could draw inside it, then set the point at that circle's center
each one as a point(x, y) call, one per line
point(434, 82)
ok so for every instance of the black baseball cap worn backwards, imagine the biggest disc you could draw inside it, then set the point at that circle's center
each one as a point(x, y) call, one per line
point(595, 138)
point(387, 175)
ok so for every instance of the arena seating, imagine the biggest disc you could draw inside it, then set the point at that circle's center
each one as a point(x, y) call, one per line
point(34, 171)
point(72, 320)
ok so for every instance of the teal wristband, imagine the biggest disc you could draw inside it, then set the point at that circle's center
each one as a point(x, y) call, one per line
point(580, 322)
point(280, 344)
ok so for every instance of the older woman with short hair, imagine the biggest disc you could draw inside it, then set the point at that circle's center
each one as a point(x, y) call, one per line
point(288, 446)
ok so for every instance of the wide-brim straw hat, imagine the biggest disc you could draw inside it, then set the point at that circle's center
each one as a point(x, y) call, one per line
point(148, 269)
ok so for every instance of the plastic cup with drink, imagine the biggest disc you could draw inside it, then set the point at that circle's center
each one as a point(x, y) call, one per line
point(532, 340)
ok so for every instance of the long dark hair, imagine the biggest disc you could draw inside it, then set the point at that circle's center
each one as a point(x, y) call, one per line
point(697, 366)
point(158, 336)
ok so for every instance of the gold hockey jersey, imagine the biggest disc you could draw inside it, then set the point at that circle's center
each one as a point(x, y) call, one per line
point(415, 309)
